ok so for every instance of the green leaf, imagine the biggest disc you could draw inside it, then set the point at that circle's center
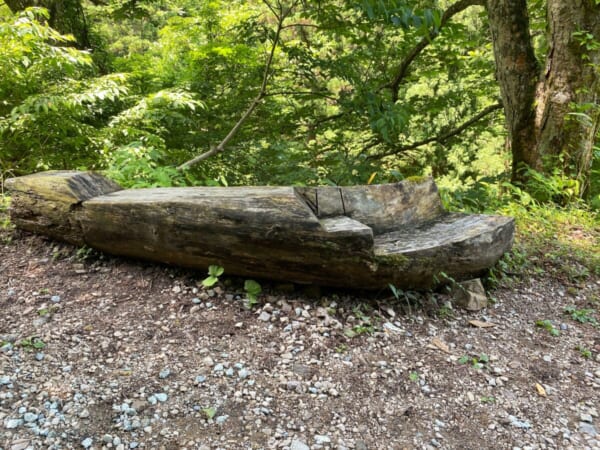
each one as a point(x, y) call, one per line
point(209, 281)
point(350, 333)
point(252, 287)
point(215, 271)
point(210, 412)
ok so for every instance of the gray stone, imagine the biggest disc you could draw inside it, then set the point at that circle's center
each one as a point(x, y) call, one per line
point(30, 417)
point(298, 445)
point(515, 422)
point(587, 428)
point(322, 439)
point(87, 443)
point(12, 423)
point(161, 397)
point(360, 445)
point(470, 295)
point(20, 444)
point(221, 419)
point(264, 316)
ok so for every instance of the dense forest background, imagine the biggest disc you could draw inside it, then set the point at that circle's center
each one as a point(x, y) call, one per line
point(181, 92)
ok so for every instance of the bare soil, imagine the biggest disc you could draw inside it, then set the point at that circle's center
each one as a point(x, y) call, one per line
point(112, 333)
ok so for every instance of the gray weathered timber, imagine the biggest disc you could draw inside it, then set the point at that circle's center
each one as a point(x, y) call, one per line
point(357, 237)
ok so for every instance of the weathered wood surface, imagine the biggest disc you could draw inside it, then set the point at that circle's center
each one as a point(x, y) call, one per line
point(358, 237)
point(44, 203)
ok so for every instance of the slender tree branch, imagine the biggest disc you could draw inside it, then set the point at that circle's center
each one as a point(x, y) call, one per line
point(295, 25)
point(402, 69)
point(292, 93)
point(261, 94)
point(441, 138)
point(329, 118)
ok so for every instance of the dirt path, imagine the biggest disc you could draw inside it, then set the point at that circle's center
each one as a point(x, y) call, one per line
point(110, 353)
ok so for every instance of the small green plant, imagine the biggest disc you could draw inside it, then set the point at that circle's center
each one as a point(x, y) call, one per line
point(4, 202)
point(342, 348)
point(47, 311)
point(32, 343)
point(445, 312)
point(214, 272)
point(413, 376)
point(488, 399)
point(477, 362)
point(408, 296)
point(209, 412)
point(365, 325)
point(548, 326)
point(84, 253)
point(585, 352)
point(581, 315)
point(253, 289)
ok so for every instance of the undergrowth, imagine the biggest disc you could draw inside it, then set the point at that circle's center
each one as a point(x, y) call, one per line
point(553, 237)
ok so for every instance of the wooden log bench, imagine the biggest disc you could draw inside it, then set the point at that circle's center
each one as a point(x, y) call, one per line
point(356, 237)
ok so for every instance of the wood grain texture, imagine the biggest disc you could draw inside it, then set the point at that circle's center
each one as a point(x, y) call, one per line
point(358, 237)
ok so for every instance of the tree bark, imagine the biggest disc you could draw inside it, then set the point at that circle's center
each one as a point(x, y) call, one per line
point(540, 102)
point(569, 81)
point(66, 16)
point(517, 73)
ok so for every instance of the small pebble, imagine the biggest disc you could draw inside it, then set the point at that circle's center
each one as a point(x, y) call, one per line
point(30, 417)
point(298, 445)
point(221, 419)
point(161, 397)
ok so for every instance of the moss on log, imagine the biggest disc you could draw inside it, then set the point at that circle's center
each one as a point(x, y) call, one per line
point(47, 202)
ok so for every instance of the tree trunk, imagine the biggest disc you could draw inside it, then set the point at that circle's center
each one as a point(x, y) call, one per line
point(66, 16)
point(358, 237)
point(540, 102)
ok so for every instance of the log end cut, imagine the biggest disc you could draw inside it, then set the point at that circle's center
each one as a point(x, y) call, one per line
point(47, 202)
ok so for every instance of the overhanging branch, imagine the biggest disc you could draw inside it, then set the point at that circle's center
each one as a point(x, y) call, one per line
point(402, 69)
point(442, 137)
point(281, 15)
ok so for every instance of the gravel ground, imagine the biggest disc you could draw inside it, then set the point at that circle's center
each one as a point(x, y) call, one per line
point(110, 353)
